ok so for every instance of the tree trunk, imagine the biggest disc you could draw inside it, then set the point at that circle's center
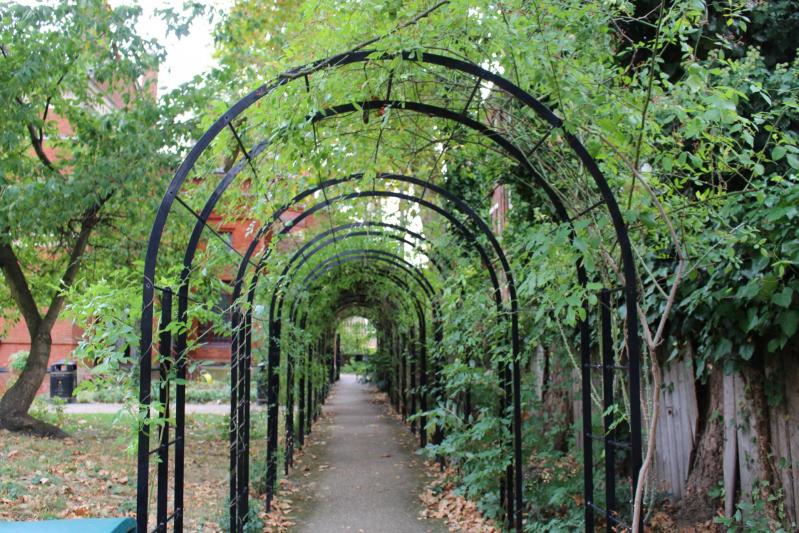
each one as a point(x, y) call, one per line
point(706, 466)
point(17, 400)
point(760, 458)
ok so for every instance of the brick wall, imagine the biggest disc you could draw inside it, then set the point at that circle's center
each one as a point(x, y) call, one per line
point(65, 336)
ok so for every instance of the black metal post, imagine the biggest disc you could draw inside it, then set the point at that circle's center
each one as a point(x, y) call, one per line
point(234, 422)
point(246, 350)
point(338, 357)
point(403, 381)
point(438, 386)
point(301, 395)
point(588, 451)
point(164, 366)
point(607, 401)
point(180, 411)
point(273, 378)
point(413, 392)
point(422, 383)
point(508, 481)
point(143, 459)
point(287, 460)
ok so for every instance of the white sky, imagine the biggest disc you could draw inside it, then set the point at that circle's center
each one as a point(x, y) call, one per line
point(187, 56)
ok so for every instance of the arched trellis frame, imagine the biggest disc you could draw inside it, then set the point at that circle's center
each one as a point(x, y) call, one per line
point(461, 67)
point(513, 482)
point(276, 319)
point(334, 236)
point(390, 269)
point(393, 278)
point(361, 302)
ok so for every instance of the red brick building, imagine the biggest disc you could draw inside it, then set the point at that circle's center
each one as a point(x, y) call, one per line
point(66, 334)
point(215, 347)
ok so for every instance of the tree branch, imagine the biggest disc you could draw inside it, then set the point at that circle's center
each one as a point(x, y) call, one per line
point(652, 66)
point(37, 134)
point(89, 220)
point(18, 287)
point(652, 342)
point(38, 146)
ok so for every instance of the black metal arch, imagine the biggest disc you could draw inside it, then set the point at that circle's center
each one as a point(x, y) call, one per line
point(512, 376)
point(385, 269)
point(148, 293)
point(354, 231)
point(239, 369)
point(462, 207)
point(275, 322)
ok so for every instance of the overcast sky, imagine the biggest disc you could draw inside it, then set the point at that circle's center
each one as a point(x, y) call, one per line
point(190, 55)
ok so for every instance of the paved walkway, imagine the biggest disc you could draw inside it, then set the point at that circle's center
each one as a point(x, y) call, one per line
point(359, 472)
point(112, 408)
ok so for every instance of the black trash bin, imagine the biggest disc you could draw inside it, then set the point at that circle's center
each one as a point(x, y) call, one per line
point(63, 380)
point(261, 385)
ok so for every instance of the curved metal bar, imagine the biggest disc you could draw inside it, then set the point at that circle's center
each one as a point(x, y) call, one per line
point(352, 234)
point(384, 270)
point(356, 255)
point(341, 262)
point(628, 266)
point(465, 209)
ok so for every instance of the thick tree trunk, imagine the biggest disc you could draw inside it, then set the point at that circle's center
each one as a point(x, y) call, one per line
point(17, 400)
point(759, 460)
point(706, 466)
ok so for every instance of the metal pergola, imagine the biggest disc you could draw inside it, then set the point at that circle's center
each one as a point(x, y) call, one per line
point(415, 382)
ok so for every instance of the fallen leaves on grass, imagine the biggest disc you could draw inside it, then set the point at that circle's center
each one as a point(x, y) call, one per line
point(91, 475)
point(277, 520)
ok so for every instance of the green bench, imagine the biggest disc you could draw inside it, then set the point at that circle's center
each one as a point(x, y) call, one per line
point(82, 525)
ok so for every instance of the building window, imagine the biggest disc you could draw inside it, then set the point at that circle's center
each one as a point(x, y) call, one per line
point(210, 333)
point(227, 236)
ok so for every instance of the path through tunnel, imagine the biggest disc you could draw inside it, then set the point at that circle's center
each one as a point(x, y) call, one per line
point(370, 176)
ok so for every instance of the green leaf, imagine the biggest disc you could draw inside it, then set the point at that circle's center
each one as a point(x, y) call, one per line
point(746, 351)
point(783, 298)
point(788, 321)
